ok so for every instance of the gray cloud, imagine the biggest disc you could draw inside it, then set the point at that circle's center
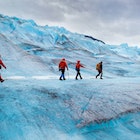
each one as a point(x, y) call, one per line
point(113, 21)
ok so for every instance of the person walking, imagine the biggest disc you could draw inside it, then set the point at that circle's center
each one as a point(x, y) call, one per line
point(1, 65)
point(62, 66)
point(99, 68)
point(77, 68)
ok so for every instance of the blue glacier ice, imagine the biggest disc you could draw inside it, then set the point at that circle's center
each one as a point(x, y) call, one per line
point(35, 105)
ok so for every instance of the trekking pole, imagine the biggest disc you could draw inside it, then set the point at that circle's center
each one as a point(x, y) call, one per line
point(68, 74)
point(0, 70)
point(89, 69)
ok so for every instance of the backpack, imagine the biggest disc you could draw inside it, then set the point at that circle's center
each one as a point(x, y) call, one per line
point(97, 66)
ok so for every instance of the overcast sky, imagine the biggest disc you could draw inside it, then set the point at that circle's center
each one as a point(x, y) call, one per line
point(112, 21)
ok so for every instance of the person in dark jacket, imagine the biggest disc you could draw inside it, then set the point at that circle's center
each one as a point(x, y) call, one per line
point(1, 65)
point(77, 67)
point(62, 66)
point(99, 68)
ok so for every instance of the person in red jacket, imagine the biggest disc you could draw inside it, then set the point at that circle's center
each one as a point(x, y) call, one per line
point(62, 66)
point(1, 65)
point(77, 68)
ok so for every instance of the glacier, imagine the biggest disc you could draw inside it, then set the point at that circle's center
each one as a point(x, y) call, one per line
point(35, 105)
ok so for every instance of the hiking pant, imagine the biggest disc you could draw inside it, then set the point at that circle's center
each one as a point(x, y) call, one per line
point(0, 74)
point(99, 73)
point(62, 73)
point(78, 73)
point(0, 77)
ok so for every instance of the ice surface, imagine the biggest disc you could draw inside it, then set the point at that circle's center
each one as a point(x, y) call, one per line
point(34, 104)
point(86, 109)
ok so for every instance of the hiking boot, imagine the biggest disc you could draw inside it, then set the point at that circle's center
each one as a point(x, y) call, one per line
point(1, 80)
point(101, 78)
point(64, 78)
point(76, 78)
point(60, 79)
